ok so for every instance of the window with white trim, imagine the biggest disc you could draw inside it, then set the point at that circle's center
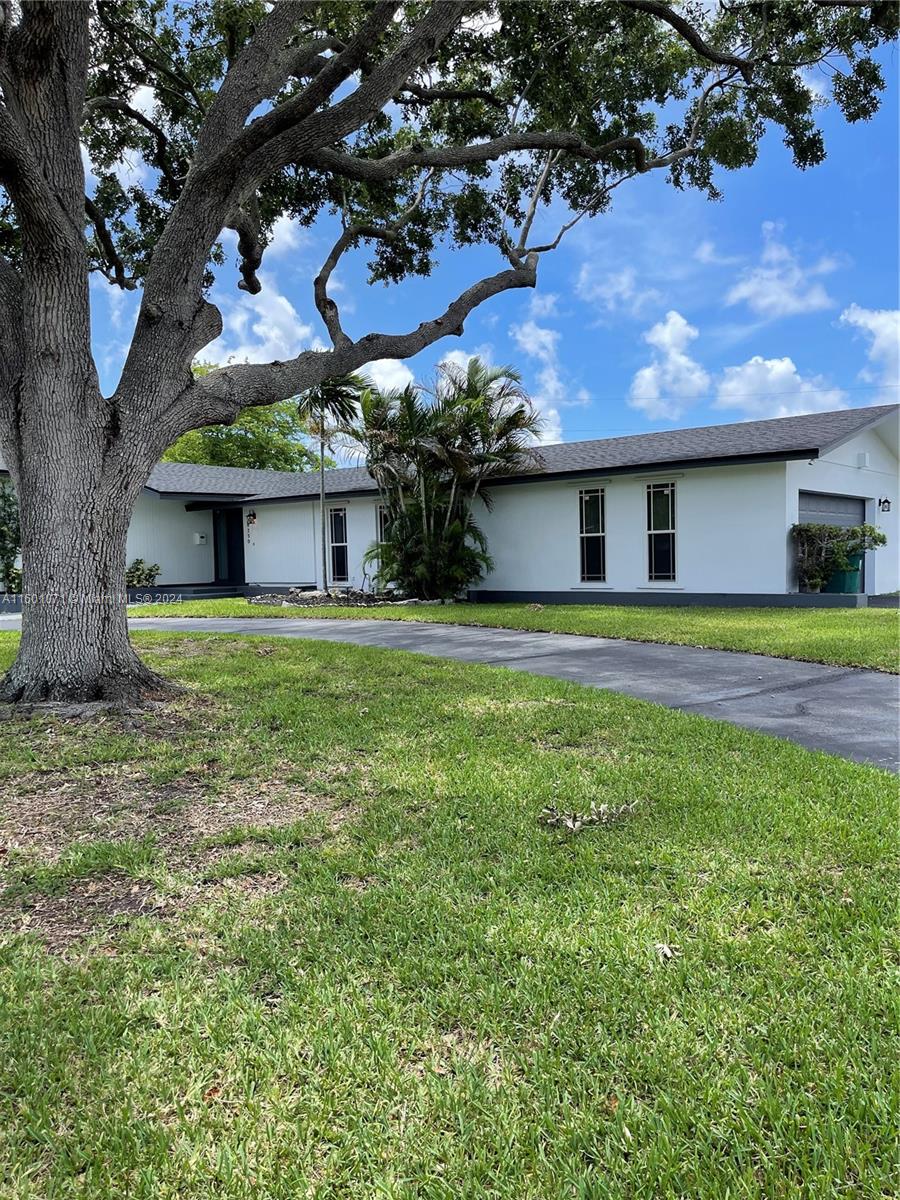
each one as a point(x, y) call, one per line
point(382, 524)
point(661, 532)
point(337, 537)
point(592, 534)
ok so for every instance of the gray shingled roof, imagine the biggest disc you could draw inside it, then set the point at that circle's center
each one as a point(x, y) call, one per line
point(782, 437)
point(188, 479)
point(786, 436)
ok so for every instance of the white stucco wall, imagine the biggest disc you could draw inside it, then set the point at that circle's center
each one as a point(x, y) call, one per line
point(842, 472)
point(283, 546)
point(730, 533)
point(162, 532)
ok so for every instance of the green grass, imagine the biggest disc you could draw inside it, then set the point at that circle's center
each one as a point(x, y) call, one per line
point(849, 637)
point(436, 996)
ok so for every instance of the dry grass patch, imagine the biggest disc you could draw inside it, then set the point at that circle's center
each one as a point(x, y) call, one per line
point(52, 812)
point(87, 905)
point(453, 1052)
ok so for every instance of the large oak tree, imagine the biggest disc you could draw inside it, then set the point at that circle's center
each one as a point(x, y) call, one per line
point(419, 124)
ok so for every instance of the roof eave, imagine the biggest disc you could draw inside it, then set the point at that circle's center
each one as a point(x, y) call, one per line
point(200, 504)
point(684, 464)
point(870, 424)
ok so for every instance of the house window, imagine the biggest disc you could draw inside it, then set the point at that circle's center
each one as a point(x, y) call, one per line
point(660, 531)
point(382, 524)
point(337, 530)
point(593, 535)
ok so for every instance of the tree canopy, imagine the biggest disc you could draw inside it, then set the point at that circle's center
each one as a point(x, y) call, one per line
point(412, 123)
point(265, 438)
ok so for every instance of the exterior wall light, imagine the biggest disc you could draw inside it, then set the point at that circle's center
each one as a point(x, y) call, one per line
point(251, 517)
point(884, 505)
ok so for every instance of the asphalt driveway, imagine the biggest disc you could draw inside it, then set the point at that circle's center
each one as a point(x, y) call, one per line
point(846, 711)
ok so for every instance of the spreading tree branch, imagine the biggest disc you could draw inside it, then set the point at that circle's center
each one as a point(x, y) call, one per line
point(692, 36)
point(161, 159)
point(245, 223)
point(116, 272)
point(351, 234)
point(182, 84)
point(219, 396)
point(382, 170)
point(284, 135)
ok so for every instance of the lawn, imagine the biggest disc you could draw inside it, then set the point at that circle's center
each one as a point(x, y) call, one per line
point(848, 637)
point(304, 934)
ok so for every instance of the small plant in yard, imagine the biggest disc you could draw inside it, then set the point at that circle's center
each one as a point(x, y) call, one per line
point(597, 815)
point(823, 550)
point(139, 573)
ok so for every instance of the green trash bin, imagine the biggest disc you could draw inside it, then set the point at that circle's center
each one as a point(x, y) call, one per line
point(846, 582)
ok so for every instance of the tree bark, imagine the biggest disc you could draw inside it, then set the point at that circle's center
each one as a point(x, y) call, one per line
point(74, 517)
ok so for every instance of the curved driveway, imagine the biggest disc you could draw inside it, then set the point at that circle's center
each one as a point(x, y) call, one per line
point(846, 711)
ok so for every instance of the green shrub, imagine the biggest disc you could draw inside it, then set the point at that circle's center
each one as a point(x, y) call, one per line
point(140, 574)
point(10, 539)
point(12, 580)
point(824, 549)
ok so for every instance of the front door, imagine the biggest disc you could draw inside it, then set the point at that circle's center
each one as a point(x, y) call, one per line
point(228, 536)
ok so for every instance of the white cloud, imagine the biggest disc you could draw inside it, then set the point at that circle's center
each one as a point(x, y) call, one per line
point(881, 326)
point(261, 328)
point(773, 387)
point(780, 286)
point(462, 358)
point(614, 291)
point(817, 82)
point(543, 304)
point(287, 238)
point(662, 389)
point(90, 179)
point(535, 340)
point(132, 171)
point(388, 374)
point(540, 342)
point(143, 98)
point(707, 254)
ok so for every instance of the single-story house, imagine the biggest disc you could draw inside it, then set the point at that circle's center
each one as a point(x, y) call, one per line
point(681, 516)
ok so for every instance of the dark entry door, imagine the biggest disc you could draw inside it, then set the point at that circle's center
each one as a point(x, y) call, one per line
point(228, 534)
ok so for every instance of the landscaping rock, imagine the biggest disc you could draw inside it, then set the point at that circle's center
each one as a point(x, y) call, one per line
point(346, 598)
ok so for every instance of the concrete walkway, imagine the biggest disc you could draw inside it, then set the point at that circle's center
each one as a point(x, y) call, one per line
point(846, 711)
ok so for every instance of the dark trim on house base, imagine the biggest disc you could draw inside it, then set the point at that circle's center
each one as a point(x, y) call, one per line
point(676, 599)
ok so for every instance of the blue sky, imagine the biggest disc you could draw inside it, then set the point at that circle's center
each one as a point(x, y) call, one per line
point(668, 311)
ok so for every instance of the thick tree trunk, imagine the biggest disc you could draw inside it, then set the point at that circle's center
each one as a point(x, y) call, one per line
point(75, 643)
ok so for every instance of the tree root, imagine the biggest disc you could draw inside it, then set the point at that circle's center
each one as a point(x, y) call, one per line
point(125, 691)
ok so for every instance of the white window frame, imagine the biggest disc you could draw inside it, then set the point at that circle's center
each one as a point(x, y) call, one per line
point(333, 545)
point(583, 493)
point(381, 512)
point(652, 488)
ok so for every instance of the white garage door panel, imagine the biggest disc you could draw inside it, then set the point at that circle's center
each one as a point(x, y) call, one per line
point(823, 509)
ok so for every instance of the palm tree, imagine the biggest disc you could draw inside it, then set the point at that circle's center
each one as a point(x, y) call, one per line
point(335, 399)
point(431, 457)
point(492, 425)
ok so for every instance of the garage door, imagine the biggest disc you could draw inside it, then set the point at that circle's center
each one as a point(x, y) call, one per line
point(822, 509)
